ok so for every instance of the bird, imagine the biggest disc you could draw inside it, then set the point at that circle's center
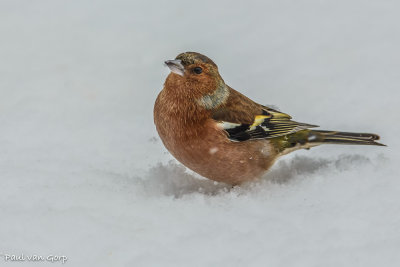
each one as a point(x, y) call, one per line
point(223, 135)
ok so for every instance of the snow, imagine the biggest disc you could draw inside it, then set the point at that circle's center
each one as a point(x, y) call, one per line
point(84, 174)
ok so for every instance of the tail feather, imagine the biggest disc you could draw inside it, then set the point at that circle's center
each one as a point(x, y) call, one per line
point(310, 138)
point(346, 138)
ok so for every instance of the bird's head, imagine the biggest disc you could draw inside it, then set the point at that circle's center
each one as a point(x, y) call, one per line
point(195, 72)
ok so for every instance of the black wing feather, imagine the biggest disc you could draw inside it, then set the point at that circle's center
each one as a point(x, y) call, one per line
point(270, 124)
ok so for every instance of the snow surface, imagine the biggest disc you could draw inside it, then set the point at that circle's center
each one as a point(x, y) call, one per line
point(84, 174)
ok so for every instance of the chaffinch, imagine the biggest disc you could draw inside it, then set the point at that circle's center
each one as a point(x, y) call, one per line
point(223, 135)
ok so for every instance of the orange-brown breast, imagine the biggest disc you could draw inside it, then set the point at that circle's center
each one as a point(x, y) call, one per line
point(194, 139)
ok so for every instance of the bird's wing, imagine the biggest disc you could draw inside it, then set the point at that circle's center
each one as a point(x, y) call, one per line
point(247, 120)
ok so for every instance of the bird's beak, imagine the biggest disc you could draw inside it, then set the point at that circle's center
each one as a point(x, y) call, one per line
point(175, 66)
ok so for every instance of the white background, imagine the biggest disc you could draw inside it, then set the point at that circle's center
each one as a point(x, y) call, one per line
point(84, 174)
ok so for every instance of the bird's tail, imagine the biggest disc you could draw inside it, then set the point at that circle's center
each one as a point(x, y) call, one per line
point(310, 138)
point(345, 138)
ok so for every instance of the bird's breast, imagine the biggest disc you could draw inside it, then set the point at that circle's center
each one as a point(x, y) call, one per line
point(198, 142)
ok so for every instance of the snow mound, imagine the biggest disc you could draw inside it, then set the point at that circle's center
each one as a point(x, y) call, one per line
point(173, 179)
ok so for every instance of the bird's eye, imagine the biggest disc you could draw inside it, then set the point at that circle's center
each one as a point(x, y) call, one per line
point(198, 70)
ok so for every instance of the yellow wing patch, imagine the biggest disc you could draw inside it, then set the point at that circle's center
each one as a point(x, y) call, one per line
point(270, 124)
point(258, 120)
point(278, 116)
